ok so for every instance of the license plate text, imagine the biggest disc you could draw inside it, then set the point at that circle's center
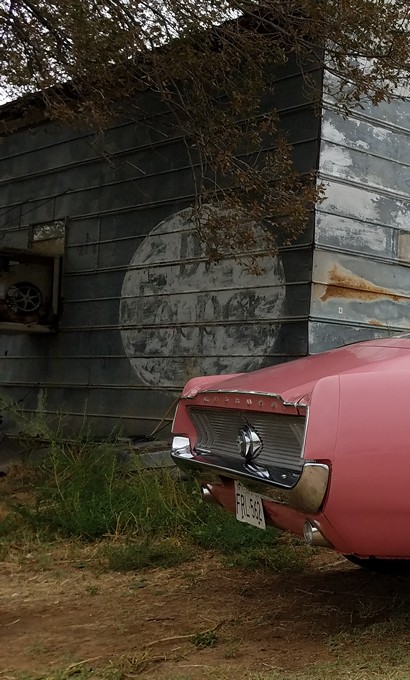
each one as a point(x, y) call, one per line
point(249, 508)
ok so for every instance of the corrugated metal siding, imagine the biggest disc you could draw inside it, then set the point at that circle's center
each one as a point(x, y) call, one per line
point(142, 310)
point(361, 275)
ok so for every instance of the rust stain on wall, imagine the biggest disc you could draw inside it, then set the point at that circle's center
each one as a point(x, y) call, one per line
point(345, 284)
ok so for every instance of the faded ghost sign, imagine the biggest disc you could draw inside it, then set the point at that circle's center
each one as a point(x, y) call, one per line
point(182, 317)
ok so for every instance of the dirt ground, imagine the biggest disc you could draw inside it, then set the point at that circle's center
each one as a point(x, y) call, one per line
point(200, 618)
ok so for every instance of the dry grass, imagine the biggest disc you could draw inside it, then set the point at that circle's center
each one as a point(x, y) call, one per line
point(68, 620)
point(107, 610)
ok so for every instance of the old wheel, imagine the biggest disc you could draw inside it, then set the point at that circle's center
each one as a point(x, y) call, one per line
point(381, 566)
point(24, 298)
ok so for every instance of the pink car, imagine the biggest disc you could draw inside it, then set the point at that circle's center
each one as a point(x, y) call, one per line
point(319, 447)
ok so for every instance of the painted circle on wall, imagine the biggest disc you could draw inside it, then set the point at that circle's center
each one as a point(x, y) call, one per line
point(181, 317)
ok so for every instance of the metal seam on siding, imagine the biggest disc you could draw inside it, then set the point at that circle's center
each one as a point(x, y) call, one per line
point(359, 324)
point(156, 116)
point(90, 161)
point(109, 328)
point(122, 357)
point(222, 322)
point(179, 200)
point(185, 201)
point(370, 188)
point(92, 386)
point(165, 263)
point(362, 255)
point(182, 200)
point(142, 237)
point(96, 161)
point(31, 206)
point(40, 357)
point(193, 324)
point(372, 120)
point(8, 230)
point(71, 192)
point(124, 153)
point(105, 416)
point(122, 239)
point(363, 153)
point(362, 220)
point(140, 178)
point(193, 291)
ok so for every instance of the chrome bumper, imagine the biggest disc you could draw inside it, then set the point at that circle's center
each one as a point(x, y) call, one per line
point(306, 494)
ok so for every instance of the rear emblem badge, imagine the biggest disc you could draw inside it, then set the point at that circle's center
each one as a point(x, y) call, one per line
point(249, 444)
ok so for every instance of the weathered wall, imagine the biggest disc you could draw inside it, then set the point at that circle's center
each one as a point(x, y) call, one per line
point(361, 275)
point(142, 310)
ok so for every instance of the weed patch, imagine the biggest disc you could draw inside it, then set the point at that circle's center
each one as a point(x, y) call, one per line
point(220, 530)
point(207, 639)
point(82, 490)
point(246, 546)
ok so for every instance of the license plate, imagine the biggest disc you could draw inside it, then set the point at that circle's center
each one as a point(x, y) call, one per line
point(249, 508)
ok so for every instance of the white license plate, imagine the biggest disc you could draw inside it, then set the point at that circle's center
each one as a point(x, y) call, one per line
point(249, 508)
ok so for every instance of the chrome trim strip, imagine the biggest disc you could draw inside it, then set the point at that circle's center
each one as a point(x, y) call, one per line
point(306, 495)
point(302, 453)
point(271, 395)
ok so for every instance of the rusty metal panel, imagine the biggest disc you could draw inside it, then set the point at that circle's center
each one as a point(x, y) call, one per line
point(361, 291)
point(361, 281)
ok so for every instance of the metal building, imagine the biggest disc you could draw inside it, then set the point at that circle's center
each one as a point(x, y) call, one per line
point(107, 303)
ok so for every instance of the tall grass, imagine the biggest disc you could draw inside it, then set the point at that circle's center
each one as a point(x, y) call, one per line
point(82, 489)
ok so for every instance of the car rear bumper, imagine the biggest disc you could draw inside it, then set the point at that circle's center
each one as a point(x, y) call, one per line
point(306, 494)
